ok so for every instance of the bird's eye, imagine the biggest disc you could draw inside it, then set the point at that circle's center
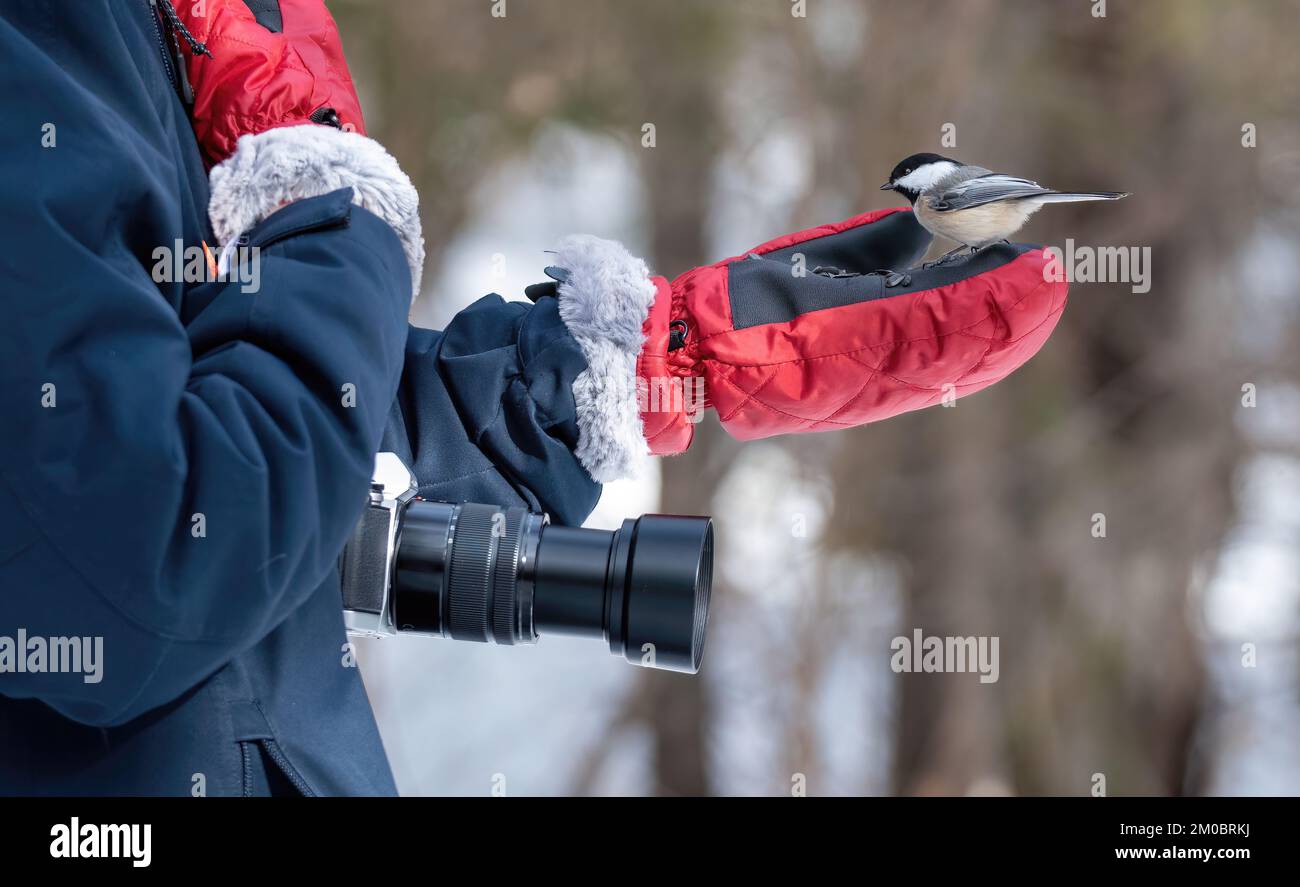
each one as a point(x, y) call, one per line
point(908, 170)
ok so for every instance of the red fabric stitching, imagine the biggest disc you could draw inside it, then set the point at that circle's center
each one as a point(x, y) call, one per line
point(906, 384)
point(778, 411)
point(959, 383)
point(875, 371)
point(748, 397)
point(658, 434)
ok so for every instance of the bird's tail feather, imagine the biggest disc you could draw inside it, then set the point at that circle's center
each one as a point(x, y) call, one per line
point(1077, 196)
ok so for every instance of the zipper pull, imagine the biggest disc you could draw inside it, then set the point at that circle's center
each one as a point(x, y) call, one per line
point(180, 31)
point(183, 74)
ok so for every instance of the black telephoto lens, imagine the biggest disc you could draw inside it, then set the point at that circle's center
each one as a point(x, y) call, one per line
point(486, 573)
point(644, 588)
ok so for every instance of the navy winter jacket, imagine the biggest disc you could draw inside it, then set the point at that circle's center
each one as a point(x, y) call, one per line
point(181, 463)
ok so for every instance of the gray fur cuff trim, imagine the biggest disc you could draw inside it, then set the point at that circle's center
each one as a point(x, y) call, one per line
point(292, 163)
point(604, 303)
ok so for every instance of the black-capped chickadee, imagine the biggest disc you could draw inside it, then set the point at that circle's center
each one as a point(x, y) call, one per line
point(972, 205)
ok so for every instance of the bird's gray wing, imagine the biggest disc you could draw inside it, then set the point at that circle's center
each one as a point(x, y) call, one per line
point(980, 190)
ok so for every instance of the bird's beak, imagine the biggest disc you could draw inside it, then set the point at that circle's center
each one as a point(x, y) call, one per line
point(888, 186)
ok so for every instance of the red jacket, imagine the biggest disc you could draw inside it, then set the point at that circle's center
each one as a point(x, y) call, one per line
point(261, 73)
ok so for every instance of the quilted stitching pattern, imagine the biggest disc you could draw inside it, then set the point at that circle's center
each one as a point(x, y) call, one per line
point(876, 392)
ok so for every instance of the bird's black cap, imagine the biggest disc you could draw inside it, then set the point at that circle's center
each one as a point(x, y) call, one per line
point(910, 164)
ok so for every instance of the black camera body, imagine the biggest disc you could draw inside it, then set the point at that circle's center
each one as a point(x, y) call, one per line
point(475, 572)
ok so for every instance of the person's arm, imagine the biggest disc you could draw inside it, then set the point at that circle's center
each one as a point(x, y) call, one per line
point(173, 487)
point(486, 411)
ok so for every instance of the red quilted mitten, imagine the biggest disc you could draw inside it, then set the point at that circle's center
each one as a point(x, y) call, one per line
point(260, 64)
point(799, 334)
point(827, 328)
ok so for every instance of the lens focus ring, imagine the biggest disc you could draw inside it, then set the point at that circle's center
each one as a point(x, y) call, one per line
point(469, 583)
point(505, 584)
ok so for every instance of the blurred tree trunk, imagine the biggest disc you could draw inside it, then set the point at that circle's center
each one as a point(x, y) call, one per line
point(686, 46)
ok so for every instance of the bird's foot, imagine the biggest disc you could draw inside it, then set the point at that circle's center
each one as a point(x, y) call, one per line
point(893, 278)
point(947, 257)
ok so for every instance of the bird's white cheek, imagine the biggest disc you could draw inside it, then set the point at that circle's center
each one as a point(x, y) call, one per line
point(923, 178)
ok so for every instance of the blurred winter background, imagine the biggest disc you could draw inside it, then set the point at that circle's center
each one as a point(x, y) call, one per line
point(1124, 655)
